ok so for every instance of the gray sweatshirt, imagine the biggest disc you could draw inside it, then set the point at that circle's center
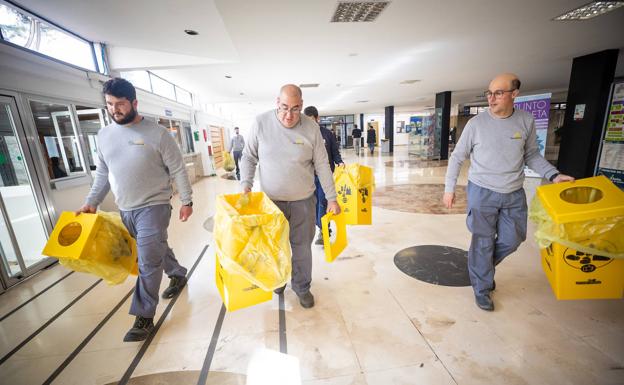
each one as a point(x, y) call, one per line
point(138, 162)
point(237, 143)
point(498, 150)
point(287, 159)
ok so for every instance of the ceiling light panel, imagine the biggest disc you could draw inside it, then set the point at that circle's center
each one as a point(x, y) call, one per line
point(590, 10)
point(309, 85)
point(358, 11)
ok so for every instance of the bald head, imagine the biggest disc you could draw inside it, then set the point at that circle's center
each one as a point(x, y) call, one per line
point(502, 91)
point(291, 90)
point(507, 81)
point(289, 103)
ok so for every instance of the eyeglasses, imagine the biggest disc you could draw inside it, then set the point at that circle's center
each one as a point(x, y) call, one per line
point(284, 108)
point(497, 93)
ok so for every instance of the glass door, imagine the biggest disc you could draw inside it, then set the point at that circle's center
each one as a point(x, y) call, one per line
point(22, 230)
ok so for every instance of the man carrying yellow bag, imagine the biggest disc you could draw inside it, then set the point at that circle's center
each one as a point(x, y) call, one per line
point(137, 160)
point(288, 149)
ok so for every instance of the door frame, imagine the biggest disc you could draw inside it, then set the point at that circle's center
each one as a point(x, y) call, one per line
point(12, 99)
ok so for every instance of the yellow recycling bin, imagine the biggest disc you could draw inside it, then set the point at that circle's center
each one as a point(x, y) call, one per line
point(253, 247)
point(98, 244)
point(333, 250)
point(354, 186)
point(236, 291)
point(581, 235)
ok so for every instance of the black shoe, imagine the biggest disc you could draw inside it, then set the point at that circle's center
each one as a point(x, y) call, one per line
point(306, 299)
point(279, 290)
point(175, 286)
point(140, 330)
point(493, 285)
point(484, 302)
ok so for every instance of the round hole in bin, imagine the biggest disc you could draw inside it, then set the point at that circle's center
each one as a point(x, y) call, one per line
point(69, 234)
point(581, 195)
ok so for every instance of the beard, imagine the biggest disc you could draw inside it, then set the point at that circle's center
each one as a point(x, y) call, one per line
point(129, 117)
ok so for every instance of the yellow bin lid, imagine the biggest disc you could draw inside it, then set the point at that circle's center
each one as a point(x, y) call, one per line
point(581, 200)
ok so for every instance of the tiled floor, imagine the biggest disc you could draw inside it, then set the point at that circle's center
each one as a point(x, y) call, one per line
point(372, 324)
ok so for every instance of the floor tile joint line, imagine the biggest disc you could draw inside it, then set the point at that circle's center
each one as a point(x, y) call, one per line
point(137, 358)
point(203, 375)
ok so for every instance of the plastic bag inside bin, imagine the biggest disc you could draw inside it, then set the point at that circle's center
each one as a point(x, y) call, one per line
point(252, 239)
point(111, 255)
point(598, 236)
point(228, 162)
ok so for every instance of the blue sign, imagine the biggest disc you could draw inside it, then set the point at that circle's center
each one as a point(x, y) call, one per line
point(168, 113)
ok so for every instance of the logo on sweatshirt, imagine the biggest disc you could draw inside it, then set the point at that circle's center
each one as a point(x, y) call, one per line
point(517, 135)
point(136, 142)
point(299, 141)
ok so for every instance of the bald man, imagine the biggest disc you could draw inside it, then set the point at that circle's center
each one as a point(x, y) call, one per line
point(499, 142)
point(288, 149)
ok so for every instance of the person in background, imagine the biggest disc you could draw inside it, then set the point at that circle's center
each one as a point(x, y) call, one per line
point(288, 149)
point(333, 155)
point(137, 160)
point(237, 144)
point(371, 138)
point(500, 142)
point(357, 139)
point(57, 171)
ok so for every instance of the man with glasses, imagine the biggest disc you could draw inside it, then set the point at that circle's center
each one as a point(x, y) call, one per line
point(500, 142)
point(288, 149)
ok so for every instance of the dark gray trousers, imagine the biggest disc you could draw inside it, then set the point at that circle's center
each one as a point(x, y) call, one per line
point(498, 223)
point(148, 226)
point(301, 220)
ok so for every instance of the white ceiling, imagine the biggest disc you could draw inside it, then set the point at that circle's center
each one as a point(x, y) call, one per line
point(454, 45)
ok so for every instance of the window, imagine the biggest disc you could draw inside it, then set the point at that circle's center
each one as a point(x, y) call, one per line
point(139, 79)
point(183, 96)
point(162, 87)
point(58, 137)
point(91, 120)
point(25, 30)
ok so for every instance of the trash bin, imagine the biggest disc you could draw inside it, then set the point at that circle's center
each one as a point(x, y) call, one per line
point(252, 247)
point(97, 244)
point(580, 229)
point(333, 250)
point(354, 186)
point(385, 146)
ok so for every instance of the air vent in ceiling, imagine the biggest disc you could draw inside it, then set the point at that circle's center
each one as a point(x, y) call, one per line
point(412, 81)
point(309, 85)
point(362, 101)
point(358, 11)
point(590, 10)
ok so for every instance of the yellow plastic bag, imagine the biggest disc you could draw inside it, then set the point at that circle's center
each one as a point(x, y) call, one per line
point(333, 250)
point(354, 186)
point(599, 236)
point(228, 162)
point(252, 239)
point(98, 244)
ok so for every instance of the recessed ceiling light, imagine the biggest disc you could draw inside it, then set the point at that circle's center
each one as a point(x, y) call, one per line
point(308, 85)
point(362, 101)
point(228, 76)
point(358, 11)
point(590, 10)
point(191, 32)
point(43, 117)
point(242, 93)
point(412, 81)
point(353, 54)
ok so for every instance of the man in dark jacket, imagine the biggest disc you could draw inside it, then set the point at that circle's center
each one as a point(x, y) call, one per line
point(357, 139)
point(371, 138)
point(333, 155)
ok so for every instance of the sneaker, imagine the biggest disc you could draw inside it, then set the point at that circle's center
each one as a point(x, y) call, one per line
point(319, 239)
point(175, 286)
point(279, 290)
point(141, 329)
point(484, 302)
point(306, 299)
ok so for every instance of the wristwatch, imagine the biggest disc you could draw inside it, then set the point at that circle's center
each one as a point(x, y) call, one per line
point(190, 204)
point(553, 176)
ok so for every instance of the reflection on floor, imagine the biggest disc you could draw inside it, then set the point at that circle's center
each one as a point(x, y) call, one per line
point(372, 324)
point(419, 198)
